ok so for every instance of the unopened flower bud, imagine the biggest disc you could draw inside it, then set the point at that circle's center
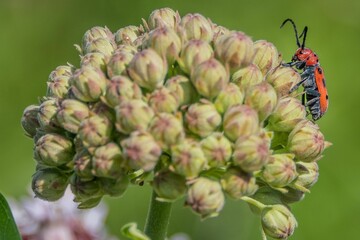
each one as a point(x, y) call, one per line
point(133, 114)
point(127, 35)
point(95, 33)
point(219, 31)
point(280, 170)
point(247, 76)
point(29, 120)
point(95, 60)
point(84, 189)
point(193, 53)
point(266, 55)
point(114, 187)
point(240, 121)
point(262, 97)
point(118, 63)
point(202, 118)
point(237, 183)
point(287, 114)
point(283, 79)
point(278, 222)
point(103, 110)
point(47, 114)
point(308, 174)
point(196, 26)
point(127, 48)
point(168, 185)
point(61, 71)
point(235, 50)
point(163, 17)
point(205, 197)
point(209, 78)
point(148, 69)
point(217, 149)
point(88, 84)
point(95, 131)
point(53, 150)
point(230, 95)
point(83, 164)
point(292, 196)
point(58, 87)
point(162, 100)
point(141, 151)
point(71, 113)
point(182, 89)
point(49, 184)
point(101, 45)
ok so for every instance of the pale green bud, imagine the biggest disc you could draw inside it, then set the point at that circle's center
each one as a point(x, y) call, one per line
point(219, 31)
point(308, 174)
point(101, 45)
point(187, 158)
point(83, 164)
point(148, 69)
point(61, 71)
point(209, 78)
point(71, 113)
point(202, 118)
point(49, 184)
point(127, 35)
point(127, 48)
point(262, 97)
point(240, 121)
point(84, 189)
point(95, 33)
point(230, 95)
point(47, 114)
point(237, 183)
point(292, 195)
point(162, 100)
point(141, 151)
point(283, 79)
point(182, 89)
point(133, 114)
point(235, 50)
point(266, 55)
point(168, 185)
point(196, 26)
point(94, 59)
point(193, 53)
point(114, 187)
point(217, 149)
point(88, 84)
point(247, 76)
point(29, 120)
point(58, 87)
point(104, 111)
point(163, 17)
point(205, 197)
point(118, 63)
point(53, 150)
point(95, 131)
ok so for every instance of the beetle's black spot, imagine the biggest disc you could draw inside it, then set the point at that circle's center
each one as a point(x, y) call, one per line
point(323, 81)
point(317, 60)
point(319, 70)
point(327, 97)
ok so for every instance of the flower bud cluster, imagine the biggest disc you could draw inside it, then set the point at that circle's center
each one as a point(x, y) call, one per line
point(204, 108)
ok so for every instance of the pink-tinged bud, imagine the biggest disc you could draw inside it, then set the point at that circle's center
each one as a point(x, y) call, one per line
point(283, 79)
point(205, 197)
point(95, 33)
point(118, 63)
point(88, 84)
point(230, 95)
point(240, 121)
point(29, 120)
point(182, 89)
point(120, 88)
point(133, 114)
point(196, 26)
point(193, 53)
point(202, 118)
point(71, 113)
point(95, 131)
point(83, 164)
point(102, 110)
point(148, 69)
point(217, 149)
point(167, 130)
point(306, 141)
point(127, 35)
point(114, 187)
point(187, 158)
point(141, 151)
point(209, 78)
point(235, 50)
point(168, 186)
point(219, 31)
point(247, 77)
point(100, 45)
point(61, 71)
point(127, 48)
point(262, 97)
point(266, 55)
point(308, 174)
point(47, 114)
point(237, 183)
point(95, 60)
point(287, 114)
point(163, 17)
point(53, 150)
point(280, 170)
point(58, 87)
point(162, 100)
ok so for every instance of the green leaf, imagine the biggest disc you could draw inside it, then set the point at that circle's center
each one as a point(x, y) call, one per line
point(131, 231)
point(8, 229)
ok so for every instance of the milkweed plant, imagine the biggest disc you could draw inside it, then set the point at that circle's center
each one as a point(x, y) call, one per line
point(196, 111)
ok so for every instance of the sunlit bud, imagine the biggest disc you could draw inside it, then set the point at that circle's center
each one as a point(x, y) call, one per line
point(196, 26)
point(53, 150)
point(308, 174)
point(217, 149)
point(246, 77)
point(209, 78)
point(47, 114)
point(162, 100)
point(95, 131)
point(230, 95)
point(167, 130)
point(287, 114)
point(49, 184)
point(114, 187)
point(205, 197)
point(58, 87)
point(94, 59)
point(278, 222)
point(148, 69)
point(141, 151)
point(83, 164)
point(29, 120)
point(95, 33)
point(283, 79)
point(88, 84)
point(193, 53)
point(163, 17)
point(118, 63)
point(61, 71)
point(240, 121)
point(71, 113)
point(84, 189)
point(127, 48)
point(235, 50)
point(100, 45)
point(219, 31)
point(262, 97)
point(182, 89)
point(168, 185)
point(280, 170)
point(202, 118)
point(237, 183)
point(133, 114)
point(266, 55)
point(127, 35)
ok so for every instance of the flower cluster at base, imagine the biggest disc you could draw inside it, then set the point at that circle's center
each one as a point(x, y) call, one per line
point(185, 104)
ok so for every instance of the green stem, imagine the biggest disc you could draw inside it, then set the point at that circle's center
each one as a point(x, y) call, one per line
point(158, 219)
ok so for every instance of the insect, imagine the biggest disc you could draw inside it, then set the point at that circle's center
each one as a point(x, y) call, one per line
point(312, 77)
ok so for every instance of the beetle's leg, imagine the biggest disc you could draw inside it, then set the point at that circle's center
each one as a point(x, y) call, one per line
point(298, 85)
point(312, 92)
point(312, 101)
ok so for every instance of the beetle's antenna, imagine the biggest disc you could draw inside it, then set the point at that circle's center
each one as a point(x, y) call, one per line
point(304, 38)
point(296, 33)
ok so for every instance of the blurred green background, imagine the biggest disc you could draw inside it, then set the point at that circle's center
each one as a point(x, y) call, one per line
point(38, 35)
